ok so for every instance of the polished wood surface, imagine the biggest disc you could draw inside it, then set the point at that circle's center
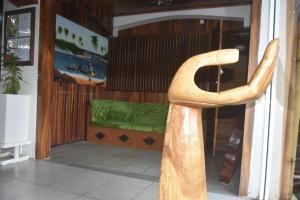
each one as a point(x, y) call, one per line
point(183, 166)
point(19, 3)
point(45, 79)
point(183, 90)
point(183, 163)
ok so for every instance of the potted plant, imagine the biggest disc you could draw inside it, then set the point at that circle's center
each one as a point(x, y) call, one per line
point(14, 115)
point(12, 74)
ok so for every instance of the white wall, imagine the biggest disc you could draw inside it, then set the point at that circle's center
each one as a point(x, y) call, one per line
point(242, 13)
point(30, 74)
point(269, 123)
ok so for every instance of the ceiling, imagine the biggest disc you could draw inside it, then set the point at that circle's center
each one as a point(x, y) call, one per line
point(129, 7)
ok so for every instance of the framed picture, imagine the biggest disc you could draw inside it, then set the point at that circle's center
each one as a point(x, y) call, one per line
point(19, 34)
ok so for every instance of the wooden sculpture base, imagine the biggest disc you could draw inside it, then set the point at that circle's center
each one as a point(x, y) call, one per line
point(183, 164)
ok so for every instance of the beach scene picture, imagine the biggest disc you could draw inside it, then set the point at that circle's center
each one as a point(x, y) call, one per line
point(80, 54)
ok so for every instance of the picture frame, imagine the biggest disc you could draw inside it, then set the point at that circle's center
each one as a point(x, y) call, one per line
point(19, 34)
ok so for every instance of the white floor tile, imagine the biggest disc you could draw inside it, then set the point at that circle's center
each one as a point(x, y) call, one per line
point(47, 194)
point(15, 188)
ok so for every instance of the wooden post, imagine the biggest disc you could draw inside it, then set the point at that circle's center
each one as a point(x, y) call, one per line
point(182, 176)
point(183, 164)
point(45, 79)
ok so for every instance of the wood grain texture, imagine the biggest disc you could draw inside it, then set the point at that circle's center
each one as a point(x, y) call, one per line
point(69, 101)
point(172, 26)
point(131, 7)
point(249, 113)
point(141, 63)
point(46, 61)
point(183, 90)
point(183, 164)
point(20, 3)
point(290, 162)
point(92, 14)
point(69, 108)
point(135, 138)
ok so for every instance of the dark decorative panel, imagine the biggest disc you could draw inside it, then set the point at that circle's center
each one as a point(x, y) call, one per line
point(149, 141)
point(100, 135)
point(124, 138)
point(149, 62)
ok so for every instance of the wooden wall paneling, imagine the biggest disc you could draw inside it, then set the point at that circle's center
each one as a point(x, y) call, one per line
point(291, 161)
point(234, 75)
point(131, 7)
point(249, 114)
point(91, 14)
point(46, 61)
point(20, 3)
point(69, 100)
point(218, 90)
point(213, 74)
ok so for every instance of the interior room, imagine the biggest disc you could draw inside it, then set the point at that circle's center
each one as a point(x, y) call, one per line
point(114, 121)
point(148, 99)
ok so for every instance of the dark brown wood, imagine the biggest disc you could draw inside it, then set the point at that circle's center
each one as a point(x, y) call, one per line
point(69, 108)
point(249, 113)
point(32, 33)
point(232, 154)
point(19, 3)
point(45, 79)
point(142, 63)
point(130, 7)
point(112, 136)
point(70, 101)
point(88, 13)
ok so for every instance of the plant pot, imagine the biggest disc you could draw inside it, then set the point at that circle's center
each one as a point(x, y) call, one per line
point(14, 124)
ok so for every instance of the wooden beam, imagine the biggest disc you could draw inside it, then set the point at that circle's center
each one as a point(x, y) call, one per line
point(293, 97)
point(46, 62)
point(249, 114)
point(20, 3)
point(131, 7)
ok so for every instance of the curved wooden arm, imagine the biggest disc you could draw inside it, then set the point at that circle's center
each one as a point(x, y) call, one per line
point(184, 91)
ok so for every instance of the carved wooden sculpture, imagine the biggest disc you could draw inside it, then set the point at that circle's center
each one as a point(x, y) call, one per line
point(183, 165)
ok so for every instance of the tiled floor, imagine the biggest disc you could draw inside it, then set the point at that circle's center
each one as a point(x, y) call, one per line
point(133, 163)
point(44, 180)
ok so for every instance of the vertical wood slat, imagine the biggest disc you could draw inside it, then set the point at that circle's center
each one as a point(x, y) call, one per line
point(154, 63)
point(148, 62)
point(69, 103)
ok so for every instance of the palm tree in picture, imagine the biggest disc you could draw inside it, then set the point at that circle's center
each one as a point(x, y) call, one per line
point(66, 31)
point(80, 40)
point(73, 36)
point(94, 41)
point(59, 30)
